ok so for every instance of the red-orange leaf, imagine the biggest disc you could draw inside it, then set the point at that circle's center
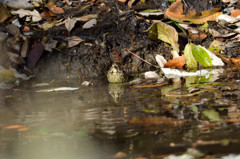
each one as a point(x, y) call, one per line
point(56, 10)
point(235, 12)
point(178, 62)
point(175, 11)
point(236, 61)
point(13, 127)
point(23, 129)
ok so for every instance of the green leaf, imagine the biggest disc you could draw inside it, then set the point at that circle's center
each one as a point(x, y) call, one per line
point(201, 55)
point(143, 1)
point(211, 115)
point(194, 108)
point(189, 58)
point(164, 32)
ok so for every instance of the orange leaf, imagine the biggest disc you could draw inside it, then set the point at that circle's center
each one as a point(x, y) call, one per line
point(235, 12)
point(200, 18)
point(56, 10)
point(13, 126)
point(157, 121)
point(176, 62)
point(236, 61)
point(23, 129)
point(175, 11)
point(198, 37)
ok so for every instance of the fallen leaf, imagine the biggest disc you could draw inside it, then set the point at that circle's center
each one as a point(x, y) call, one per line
point(120, 155)
point(48, 25)
point(216, 61)
point(122, 1)
point(34, 55)
point(56, 10)
point(236, 61)
point(4, 14)
point(200, 18)
point(130, 3)
point(74, 40)
point(197, 37)
point(87, 17)
point(90, 24)
point(211, 115)
point(7, 76)
point(23, 129)
point(70, 23)
point(235, 12)
point(14, 126)
point(147, 121)
point(178, 62)
point(151, 12)
point(201, 55)
point(175, 11)
point(160, 60)
point(34, 14)
point(189, 58)
point(151, 75)
point(164, 32)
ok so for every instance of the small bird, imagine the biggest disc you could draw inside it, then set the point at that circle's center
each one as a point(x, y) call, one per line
point(17, 4)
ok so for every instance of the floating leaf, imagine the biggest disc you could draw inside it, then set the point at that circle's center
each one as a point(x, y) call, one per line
point(14, 126)
point(70, 23)
point(201, 55)
point(211, 115)
point(164, 32)
point(7, 76)
point(147, 121)
point(178, 62)
point(189, 58)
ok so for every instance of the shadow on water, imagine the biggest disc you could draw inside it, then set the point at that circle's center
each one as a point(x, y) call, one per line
point(96, 122)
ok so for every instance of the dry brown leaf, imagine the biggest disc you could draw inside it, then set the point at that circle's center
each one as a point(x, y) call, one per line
point(175, 11)
point(200, 18)
point(70, 23)
point(4, 14)
point(178, 62)
point(74, 40)
point(235, 12)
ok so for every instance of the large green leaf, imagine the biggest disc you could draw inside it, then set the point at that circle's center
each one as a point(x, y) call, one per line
point(211, 115)
point(201, 55)
point(164, 32)
point(189, 58)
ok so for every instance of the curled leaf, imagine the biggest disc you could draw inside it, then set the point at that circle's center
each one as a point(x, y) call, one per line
point(164, 32)
point(201, 55)
point(189, 58)
point(178, 62)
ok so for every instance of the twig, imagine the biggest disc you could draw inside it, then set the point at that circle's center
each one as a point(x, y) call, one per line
point(139, 57)
point(229, 75)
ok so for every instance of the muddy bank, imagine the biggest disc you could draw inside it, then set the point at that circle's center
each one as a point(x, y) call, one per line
point(118, 30)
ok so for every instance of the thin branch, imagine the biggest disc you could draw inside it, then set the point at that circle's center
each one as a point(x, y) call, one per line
point(139, 57)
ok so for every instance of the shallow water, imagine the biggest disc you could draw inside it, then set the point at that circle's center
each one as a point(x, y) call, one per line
point(89, 123)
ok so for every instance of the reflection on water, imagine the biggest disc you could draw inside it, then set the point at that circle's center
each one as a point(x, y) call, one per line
point(91, 123)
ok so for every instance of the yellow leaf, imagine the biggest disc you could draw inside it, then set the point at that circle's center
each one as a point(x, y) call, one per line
point(207, 15)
